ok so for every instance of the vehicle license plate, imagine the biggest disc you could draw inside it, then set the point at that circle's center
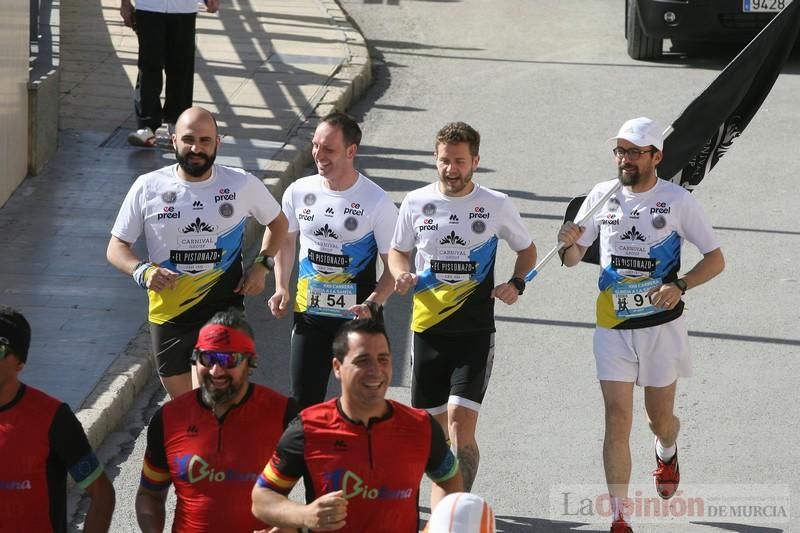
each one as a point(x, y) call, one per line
point(764, 6)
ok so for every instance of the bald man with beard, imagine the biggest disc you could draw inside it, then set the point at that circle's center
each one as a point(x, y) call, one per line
point(193, 215)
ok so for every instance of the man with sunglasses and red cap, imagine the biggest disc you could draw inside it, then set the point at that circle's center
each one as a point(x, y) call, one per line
point(40, 441)
point(211, 443)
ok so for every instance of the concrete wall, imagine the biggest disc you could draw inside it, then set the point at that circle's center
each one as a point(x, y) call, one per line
point(14, 53)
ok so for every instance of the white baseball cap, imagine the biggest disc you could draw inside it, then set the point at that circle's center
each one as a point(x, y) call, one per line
point(642, 131)
point(461, 512)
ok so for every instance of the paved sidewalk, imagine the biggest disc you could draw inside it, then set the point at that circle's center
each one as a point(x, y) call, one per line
point(266, 68)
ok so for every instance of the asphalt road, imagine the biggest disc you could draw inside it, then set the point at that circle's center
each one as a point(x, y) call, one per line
point(546, 84)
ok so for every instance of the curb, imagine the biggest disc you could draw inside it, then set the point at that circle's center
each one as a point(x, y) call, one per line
point(114, 394)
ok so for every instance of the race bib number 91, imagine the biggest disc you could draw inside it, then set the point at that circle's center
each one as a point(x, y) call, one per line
point(631, 300)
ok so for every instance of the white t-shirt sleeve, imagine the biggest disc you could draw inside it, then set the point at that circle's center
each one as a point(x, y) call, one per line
point(695, 227)
point(287, 205)
point(263, 205)
point(384, 225)
point(592, 229)
point(512, 229)
point(404, 238)
point(129, 224)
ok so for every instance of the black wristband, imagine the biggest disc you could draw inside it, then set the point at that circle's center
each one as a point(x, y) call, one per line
point(375, 309)
point(518, 284)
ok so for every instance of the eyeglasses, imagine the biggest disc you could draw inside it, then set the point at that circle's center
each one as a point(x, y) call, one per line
point(223, 359)
point(631, 153)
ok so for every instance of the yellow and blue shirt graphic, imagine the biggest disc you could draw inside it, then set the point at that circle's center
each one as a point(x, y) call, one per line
point(641, 235)
point(456, 240)
point(341, 235)
point(195, 229)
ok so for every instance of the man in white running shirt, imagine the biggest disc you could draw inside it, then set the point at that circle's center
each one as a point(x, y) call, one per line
point(455, 225)
point(344, 222)
point(641, 337)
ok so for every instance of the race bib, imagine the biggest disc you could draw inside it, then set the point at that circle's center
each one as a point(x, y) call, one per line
point(630, 298)
point(330, 299)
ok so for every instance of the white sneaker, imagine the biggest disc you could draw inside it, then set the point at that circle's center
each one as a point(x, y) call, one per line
point(142, 137)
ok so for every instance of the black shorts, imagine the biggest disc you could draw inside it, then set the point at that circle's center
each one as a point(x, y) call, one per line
point(312, 353)
point(173, 346)
point(443, 367)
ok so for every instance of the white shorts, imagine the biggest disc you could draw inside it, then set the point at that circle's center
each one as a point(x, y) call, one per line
point(650, 357)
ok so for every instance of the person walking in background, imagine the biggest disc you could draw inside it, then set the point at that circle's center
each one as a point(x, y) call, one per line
point(165, 30)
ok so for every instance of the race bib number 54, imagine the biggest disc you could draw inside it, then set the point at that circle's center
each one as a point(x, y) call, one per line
point(331, 299)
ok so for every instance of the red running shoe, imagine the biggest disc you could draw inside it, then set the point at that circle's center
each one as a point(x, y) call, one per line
point(620, 526)
point(667, 477)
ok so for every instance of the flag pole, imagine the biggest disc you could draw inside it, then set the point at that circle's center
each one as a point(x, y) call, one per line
point(552, 253)
point(546, 259)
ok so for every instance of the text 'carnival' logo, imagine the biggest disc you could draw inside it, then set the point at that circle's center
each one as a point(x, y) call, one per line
point(661, 208)
point(224, 194)
point(478, 212)
point(193, 469)
point(306, 215)
point(427, 225)
point(169, 212)
point(354, 209)
point(354, 487)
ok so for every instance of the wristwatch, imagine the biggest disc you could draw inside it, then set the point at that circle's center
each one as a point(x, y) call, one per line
point(681, 284)
point(267, 260)
point(518, 284)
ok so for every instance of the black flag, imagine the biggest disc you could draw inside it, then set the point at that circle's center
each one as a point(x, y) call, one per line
point(702, 134)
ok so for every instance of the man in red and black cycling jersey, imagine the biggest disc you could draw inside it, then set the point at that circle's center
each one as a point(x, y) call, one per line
point(40, 441)
point(362, 456)
point(211, 442)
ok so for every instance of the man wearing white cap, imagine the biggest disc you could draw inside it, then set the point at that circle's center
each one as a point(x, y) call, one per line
point(461, 512)
point(641, 336)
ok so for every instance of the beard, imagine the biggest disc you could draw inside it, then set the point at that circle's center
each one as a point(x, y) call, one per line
point(634, 177)
point(214, 396)
point(457, 187)
point(195, 170)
